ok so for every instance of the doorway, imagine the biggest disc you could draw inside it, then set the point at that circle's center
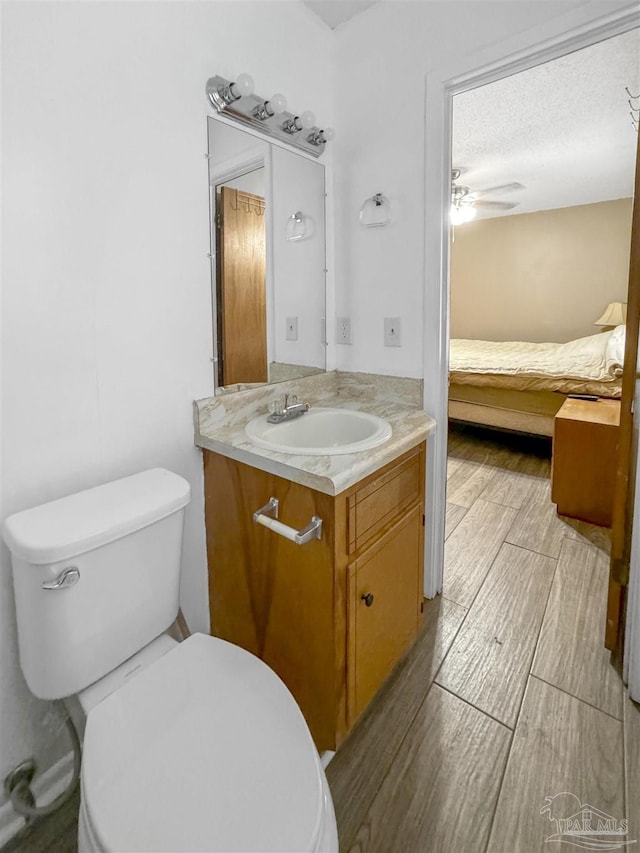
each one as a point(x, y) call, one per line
point(532, 590)
point(492, 63)
point(541, 222)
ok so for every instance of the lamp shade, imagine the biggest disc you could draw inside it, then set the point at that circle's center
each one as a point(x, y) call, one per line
point(615, 314)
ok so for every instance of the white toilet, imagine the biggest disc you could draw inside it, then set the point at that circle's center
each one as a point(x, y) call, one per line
point(193, 746)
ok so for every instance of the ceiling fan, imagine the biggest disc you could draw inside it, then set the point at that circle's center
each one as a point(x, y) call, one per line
point(464, 203)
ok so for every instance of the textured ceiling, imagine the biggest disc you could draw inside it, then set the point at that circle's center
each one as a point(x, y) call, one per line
point(562, 129)
point(334, 12)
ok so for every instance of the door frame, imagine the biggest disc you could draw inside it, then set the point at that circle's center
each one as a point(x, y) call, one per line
point(575, 30)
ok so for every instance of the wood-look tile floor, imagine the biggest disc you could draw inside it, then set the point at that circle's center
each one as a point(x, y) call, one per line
point(508, 696)
point(506, 699)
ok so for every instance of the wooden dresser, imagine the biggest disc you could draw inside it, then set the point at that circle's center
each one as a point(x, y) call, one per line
point(585, 444)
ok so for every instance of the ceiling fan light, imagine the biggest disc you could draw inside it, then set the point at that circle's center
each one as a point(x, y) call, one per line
point(455, 215)
point(459, 214)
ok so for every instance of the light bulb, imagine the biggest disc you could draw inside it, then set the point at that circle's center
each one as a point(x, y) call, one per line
point(455, 215)
point(329, 134)
point(460, 215)
point(307, 119)
point(278, 103)
point(243, 85)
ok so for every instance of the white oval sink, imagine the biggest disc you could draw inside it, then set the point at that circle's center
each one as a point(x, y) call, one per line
point(321, 432)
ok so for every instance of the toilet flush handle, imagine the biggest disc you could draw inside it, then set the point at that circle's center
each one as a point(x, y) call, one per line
point(69, 577)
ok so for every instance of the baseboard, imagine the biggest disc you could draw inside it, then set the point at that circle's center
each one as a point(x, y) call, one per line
point(46, 787)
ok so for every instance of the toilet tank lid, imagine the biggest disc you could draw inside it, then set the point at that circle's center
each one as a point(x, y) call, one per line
point(86, 520)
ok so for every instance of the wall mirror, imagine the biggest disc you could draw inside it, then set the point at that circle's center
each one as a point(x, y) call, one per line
point(268, 251)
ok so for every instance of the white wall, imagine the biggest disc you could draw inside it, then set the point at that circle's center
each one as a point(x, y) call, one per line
point(543, 276)
point(380, 61)
point(106, 292)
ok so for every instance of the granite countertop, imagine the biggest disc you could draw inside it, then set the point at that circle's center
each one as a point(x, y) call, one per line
point(220, 421)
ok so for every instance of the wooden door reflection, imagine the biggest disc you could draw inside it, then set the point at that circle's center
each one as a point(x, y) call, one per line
point(241, 302)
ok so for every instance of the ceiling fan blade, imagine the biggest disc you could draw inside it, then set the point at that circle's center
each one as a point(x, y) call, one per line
point(503, 188)
point(495, 205)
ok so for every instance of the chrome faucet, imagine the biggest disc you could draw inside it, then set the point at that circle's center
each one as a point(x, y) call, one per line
point(286, 409)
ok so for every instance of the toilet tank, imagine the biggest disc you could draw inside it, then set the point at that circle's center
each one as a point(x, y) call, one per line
point(96, 577)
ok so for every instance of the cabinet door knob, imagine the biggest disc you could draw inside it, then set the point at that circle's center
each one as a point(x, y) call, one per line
point(368, 599)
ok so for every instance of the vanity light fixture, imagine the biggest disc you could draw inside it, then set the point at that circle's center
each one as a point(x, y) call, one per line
point(275, 104)
point(235, 100)
point(296, 226)
point(228, 92)
point(298, 123)
point(375, 211)
point(320, 137)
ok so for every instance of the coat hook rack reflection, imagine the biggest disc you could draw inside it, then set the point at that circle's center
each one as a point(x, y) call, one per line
point(248, 205)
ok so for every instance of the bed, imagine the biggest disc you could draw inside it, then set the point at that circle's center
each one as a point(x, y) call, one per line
point(520, 386)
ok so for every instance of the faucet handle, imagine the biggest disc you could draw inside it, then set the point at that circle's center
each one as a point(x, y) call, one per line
point(293, 400)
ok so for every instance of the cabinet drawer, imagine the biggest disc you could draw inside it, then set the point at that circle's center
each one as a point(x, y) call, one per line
point(382, 500)
point(385, 597)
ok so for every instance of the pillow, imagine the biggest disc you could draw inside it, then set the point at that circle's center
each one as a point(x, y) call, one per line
point(615, 348)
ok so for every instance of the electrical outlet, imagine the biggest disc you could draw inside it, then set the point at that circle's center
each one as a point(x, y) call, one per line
point(343, 330)
point(392, 332)
point(292, 329)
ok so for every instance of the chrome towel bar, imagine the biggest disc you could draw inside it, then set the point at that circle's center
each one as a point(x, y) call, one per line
point(267, 516)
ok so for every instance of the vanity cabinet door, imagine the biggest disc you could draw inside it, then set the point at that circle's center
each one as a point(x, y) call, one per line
point(274, 598)
point(385, 597)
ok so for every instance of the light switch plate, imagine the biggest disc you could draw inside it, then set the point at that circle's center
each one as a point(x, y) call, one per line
point(292, 328)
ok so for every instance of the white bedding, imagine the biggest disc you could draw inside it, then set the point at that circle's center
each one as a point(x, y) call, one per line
point(585, 358)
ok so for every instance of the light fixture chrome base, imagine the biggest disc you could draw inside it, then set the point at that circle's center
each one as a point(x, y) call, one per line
point(249, 110)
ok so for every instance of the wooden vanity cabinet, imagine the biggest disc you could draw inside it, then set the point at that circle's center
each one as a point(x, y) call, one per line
point(333, 616)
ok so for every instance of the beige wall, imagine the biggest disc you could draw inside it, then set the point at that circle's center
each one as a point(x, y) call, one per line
point(542, 276)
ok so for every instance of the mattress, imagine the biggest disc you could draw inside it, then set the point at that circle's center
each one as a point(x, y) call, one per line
point(516, 385)
point(595, 358)
point(611, 387)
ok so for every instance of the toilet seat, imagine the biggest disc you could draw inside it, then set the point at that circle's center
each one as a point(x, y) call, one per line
point(205, 750)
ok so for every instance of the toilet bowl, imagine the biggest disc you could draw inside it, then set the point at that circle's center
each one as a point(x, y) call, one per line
point(204, 750)
point(191, 746)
